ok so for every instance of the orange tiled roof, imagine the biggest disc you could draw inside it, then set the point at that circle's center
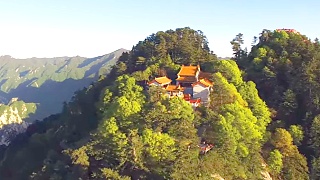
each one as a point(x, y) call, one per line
point(174, 88)
point(188, 70)
point(187, 79)
point(205, 82)
point(288, 30)
point(161, 80)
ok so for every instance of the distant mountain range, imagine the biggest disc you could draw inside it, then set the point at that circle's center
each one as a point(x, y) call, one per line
point(48, 82)
point(224, 58)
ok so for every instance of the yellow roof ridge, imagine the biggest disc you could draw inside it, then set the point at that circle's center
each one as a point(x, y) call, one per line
point(163, 80)
point(205, 82)
point(188, 70)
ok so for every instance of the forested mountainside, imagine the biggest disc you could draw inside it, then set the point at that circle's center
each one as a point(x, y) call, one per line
point(285, 67)
point(49, 82)
point(44, 84)
point(117, 128)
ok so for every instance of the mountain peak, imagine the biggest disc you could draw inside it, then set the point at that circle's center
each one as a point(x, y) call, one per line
point(119, 52)
point(122, 50)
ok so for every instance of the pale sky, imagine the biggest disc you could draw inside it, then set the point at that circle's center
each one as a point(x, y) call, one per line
point(90, 28)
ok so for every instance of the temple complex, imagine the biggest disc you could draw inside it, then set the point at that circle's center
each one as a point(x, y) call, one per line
point(288, 30)
point(192, 84)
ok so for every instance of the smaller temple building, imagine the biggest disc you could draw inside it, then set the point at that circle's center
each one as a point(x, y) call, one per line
point(160, 81)
point(173, 90)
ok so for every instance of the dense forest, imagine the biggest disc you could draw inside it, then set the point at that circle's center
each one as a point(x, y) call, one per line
point(263, 118)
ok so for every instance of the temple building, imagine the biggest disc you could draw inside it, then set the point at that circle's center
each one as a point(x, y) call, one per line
point(160, 81)
point(288, 30)
point(173, 90)
point(188, 75)
point(192, 84)
point(202, 89)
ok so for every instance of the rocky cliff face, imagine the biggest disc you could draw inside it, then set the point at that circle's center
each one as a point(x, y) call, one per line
point(14, 118)
point(265, 174)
